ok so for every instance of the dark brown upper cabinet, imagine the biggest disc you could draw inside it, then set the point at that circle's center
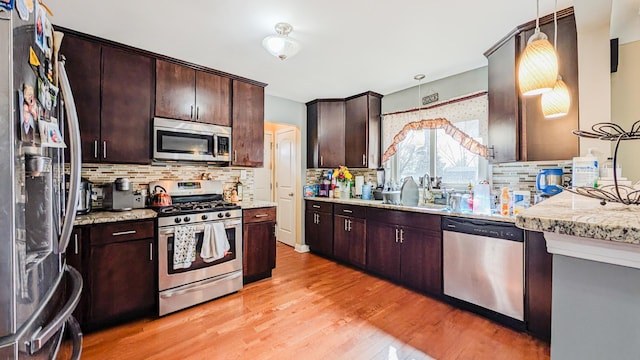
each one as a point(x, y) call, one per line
point(113, 91)
point(344, 132)
point(187, 94)
point(362, 130)
point(325, 133)
point(518, 130)
point(247, 135)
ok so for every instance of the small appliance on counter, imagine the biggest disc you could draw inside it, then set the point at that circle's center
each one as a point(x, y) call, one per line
point(159, 197)
point(118, 195)
point(84, 197)
point(377, 192)
point(549, 181)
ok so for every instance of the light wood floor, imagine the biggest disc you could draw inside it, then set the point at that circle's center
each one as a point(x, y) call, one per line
point(313, 308)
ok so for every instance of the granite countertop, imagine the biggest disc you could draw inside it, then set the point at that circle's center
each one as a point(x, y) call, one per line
point(576, 215)
point(257, 204)
point(436, 209)
point(98, 217)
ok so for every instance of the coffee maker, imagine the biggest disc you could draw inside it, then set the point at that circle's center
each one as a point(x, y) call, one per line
point(118, 195)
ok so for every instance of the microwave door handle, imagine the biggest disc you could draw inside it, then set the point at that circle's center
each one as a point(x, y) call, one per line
point(215, 145)
point(75, 154)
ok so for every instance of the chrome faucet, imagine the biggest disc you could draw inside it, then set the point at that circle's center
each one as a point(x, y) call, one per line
point(427, 195)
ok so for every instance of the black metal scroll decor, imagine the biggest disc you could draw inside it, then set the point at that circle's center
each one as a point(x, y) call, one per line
point(627, 195)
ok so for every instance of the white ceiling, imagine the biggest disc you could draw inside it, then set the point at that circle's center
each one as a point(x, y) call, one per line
point(348, 47)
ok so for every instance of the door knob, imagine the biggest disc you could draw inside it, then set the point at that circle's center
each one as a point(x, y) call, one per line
point(291, 194)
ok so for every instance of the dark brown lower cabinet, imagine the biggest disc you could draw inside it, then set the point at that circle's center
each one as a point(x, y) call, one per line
point(319, 227)
point(119, 273)
point(408, 254)
point(538, 270)
point(349, 240)
point(259, 243)
point(74, 258)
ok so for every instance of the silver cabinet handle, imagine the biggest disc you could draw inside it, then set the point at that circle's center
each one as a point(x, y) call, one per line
point(150, 251)
point(321, 161)
point(316, 206)
point(396, 234)
point(401, 236)
point(191, 116)
point(197, 112)
point(104, 149)
point(347, 211)
point(95, 149)
point(120, 233)
point(364, 159)
point(349, 225)
point(235, 156)
point(75, 244)
point(345, 224)
point(262, 215)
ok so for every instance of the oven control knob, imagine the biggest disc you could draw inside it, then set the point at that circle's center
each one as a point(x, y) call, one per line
point(220, 215)
point(227, 214)
point(204, 217)
point(187, 219)
point(177, 220)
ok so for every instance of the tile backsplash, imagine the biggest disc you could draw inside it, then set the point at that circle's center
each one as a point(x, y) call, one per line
point(522, 175)
point(314, 176)
point(141, 175)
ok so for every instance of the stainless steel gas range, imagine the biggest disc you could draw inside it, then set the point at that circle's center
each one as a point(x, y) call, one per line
point(199, 245)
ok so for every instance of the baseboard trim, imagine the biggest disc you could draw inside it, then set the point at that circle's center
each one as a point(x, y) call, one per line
point(302, 248)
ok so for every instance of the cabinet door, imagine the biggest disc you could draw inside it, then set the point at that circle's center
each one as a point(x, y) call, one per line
point(114, 292)
point(551, 139)
point(74, 259)
point(213, 99)
point(319, 232)
point(175, 91)
point(538, 270)
point(341, 237)
point(127, 98)
point(258, 248)
point(357, 242)
point(356, 130)
point(503, 103)
point(248, 125)
point(83, 69)
point(383, 249)
point(421, 260)
point(331, 135)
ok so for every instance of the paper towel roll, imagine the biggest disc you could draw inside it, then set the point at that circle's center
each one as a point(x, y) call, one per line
point(359, 183)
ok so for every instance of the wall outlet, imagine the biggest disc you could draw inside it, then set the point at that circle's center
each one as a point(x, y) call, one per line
point(243, 174)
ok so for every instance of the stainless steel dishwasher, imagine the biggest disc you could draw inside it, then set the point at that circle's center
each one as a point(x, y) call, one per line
point(483, 264)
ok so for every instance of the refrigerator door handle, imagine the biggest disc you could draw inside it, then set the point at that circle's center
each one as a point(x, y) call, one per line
point(76, 334)
point(75, 154)
point(43, 335)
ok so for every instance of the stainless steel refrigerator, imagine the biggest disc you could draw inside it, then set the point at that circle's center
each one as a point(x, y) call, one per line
point(38, 290)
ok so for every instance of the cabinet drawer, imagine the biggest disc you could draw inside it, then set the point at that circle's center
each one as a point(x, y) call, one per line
point(259, 215)
point(405, 218)
point(350, 210)
point(319, 206)
point(121, 231)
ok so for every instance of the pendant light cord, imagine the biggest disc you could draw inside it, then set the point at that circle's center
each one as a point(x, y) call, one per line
point(555, 25)
point(537, 15)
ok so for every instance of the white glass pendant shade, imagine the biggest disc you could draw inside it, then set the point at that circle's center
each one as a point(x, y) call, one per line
point(556, 102)
point(538, 68)
point(281, 45)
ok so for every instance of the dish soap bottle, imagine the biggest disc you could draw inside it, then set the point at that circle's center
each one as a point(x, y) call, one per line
point(505, 202)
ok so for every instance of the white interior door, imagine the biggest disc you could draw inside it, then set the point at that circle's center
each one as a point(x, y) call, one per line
point(263, 188)
point(286, 194)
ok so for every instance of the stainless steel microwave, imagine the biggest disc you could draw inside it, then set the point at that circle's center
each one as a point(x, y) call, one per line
point(179, 140)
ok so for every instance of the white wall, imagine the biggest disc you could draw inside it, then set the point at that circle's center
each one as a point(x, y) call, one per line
point(625, 105)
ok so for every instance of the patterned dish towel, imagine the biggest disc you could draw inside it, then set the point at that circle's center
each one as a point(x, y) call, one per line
point(184, 246)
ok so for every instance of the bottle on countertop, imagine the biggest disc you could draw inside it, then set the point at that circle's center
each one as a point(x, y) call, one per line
point(585, 171)
point(505, 202)
point(240, 189)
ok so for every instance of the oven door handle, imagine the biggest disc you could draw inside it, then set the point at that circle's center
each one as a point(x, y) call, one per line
point(202, 285)
point(170, 230)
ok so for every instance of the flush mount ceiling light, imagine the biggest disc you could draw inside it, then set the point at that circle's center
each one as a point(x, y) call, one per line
point(556, 103)
point(281, 45)
point(538, 68)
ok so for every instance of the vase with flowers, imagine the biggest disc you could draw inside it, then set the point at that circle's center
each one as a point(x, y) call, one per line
point(343, 179)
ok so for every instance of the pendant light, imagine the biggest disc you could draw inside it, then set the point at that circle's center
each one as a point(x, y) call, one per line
point(538, 68)
point(281, 45)
point(556, 102)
